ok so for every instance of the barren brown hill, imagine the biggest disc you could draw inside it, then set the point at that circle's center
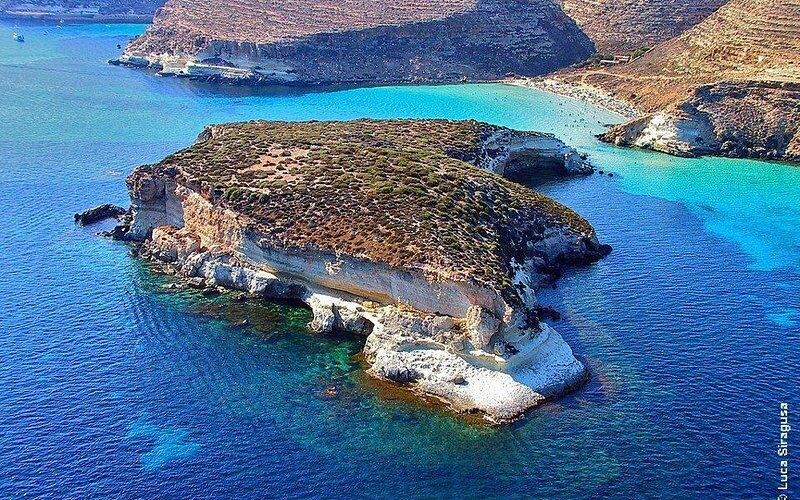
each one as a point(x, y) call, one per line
point(270, 22)
point(744, 40)
point(327, 41)
point(730, 85)
point(620, 26)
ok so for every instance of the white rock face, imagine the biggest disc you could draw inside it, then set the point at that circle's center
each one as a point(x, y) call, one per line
point(153, 208)
point(673, 132)
point(501, 389)
point(435, 355)
point(475, 361)
point(508, 154)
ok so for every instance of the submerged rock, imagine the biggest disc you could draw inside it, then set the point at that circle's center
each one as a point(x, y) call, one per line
point(401, 231)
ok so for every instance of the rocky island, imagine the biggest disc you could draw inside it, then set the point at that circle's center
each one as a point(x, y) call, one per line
point(358, 41)
point(404, 231)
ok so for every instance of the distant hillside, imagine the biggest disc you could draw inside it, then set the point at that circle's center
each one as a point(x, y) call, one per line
point(266, 21)
point(623, 26)
point(86, 9)
point(754, 46)
point(745, 39)
point(371, 41)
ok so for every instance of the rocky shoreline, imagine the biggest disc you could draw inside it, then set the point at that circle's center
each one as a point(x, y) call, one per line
point(216, 74)
point(356, 42)
point(425, 353)
point(739, 119)
point(473, 346)
point(729, 86)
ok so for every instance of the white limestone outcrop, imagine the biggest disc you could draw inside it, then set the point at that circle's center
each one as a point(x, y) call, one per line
point(511, 153)
point(673, 132)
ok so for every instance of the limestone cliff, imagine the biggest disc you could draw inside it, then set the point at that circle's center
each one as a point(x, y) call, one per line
point(736, 119)
point(397, 230)
point(356, 41)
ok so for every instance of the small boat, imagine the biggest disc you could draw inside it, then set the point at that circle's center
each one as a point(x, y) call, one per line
point(18, 37)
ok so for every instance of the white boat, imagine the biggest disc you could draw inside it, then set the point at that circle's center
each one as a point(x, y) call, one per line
point(18, 37)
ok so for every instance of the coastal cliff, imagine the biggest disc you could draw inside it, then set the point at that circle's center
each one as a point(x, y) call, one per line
point(300, 42)
point(403, 231)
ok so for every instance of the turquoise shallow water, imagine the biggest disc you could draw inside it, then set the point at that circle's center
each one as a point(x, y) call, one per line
point(111, 387)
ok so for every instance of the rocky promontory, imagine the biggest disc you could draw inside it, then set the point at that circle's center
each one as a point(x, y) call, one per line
point(358, 41)
point(404, 231)
point(742, 119)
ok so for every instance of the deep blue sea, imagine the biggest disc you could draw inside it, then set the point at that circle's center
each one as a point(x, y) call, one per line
point(110, 387)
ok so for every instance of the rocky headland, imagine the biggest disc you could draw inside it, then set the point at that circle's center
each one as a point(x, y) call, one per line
point(744, 119)
point(404, 231)
point(357, 41)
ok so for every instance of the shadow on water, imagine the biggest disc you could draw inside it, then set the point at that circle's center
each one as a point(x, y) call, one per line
point(236, 89)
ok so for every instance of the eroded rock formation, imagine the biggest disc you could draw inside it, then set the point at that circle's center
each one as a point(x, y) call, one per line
point(737, 119)
point(99, 213)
